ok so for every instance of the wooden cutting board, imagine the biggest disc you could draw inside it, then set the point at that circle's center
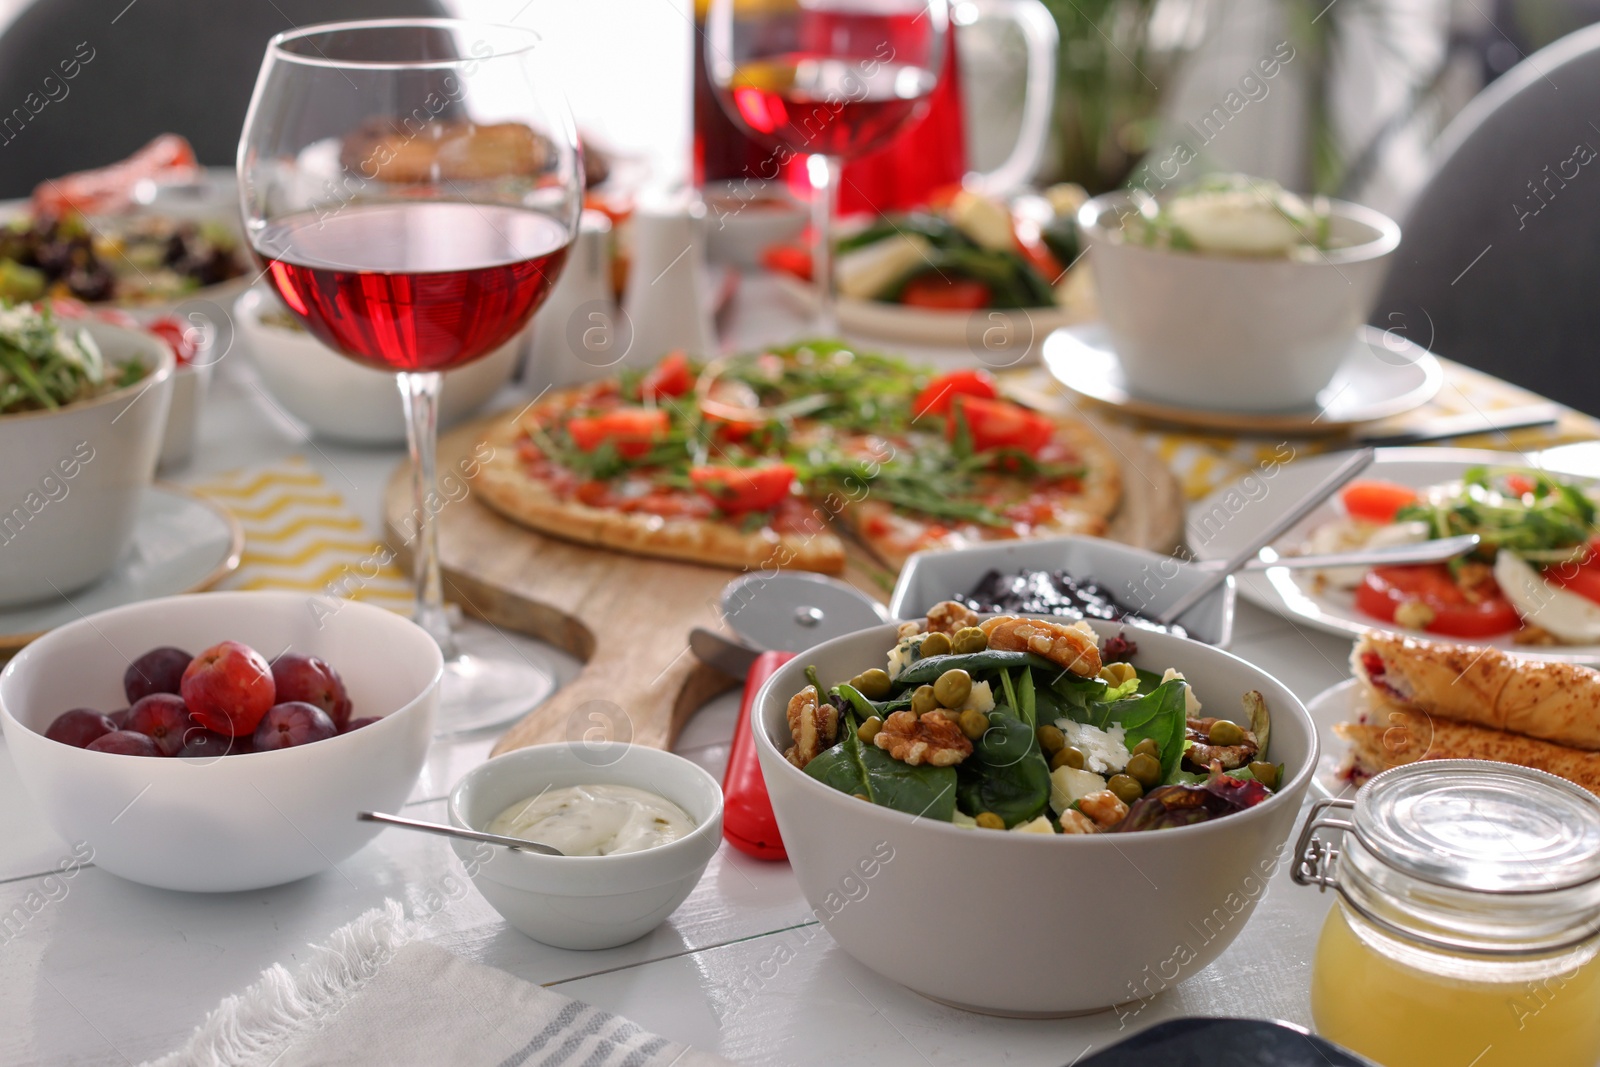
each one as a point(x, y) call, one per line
point(627, 617)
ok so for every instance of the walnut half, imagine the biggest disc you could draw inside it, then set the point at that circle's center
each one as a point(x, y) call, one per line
point(948, 616)
point(814, 725)
point(932, 739)
point(1066, 646)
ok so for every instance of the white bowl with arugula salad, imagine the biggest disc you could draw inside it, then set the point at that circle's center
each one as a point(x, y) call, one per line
point(83, 407)
point(1026, 817)
point(1532, 585)
point(1233, 294)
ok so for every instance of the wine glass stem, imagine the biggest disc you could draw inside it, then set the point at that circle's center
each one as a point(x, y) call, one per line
point(824, 174)
point(420, 395)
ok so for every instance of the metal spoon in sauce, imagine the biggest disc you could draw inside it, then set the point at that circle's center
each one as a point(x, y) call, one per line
point(455, 831)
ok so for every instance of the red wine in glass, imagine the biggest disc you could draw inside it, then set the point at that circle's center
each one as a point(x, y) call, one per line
point(422, 286)
point(839, 106)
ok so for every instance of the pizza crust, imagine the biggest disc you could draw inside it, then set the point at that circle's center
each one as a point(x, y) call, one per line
point(503, 485)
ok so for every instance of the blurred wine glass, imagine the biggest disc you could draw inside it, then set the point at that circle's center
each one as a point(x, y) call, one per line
point(830, 79)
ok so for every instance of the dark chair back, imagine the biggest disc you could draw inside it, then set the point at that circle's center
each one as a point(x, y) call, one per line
point(1499, 263)
point(86, 82)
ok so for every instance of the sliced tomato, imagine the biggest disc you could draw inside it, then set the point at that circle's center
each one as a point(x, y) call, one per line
point(1376, 501)
point(1520, 484)
point(788, 259)
point(1582, 577)
point(167, 158)
point(1384, 589)
point(936, 395)
point(744, 488)
point(632, 430)
point(942, 293)
point(995, 423)
point(671, 377)
point(1041, 259)
point(171, 331)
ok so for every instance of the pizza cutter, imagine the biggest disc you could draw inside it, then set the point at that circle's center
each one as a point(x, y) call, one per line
point(782, 612)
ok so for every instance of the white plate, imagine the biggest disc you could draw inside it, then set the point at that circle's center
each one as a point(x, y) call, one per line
point(1383, 375)
point(182, 543)
point(999, 338)
point(1327, 709)
point(1223, 522)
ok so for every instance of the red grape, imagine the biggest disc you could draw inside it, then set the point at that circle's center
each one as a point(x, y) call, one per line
point(203, 744)
point(164, 719)
point(158, 671)
point(79, 726)
point(356, 724)
point(124, 743)
point(228, 688)
point(309, 679)
point(291, 724)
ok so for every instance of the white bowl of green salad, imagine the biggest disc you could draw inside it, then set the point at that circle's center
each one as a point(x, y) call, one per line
point(83, 407)
point(1029, 817)
point(1233, 294)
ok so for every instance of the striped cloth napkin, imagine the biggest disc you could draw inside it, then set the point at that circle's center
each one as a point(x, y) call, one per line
point(375, 994)
point(299, 534)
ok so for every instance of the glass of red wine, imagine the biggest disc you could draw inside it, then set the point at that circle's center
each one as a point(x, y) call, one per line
point(828, 79)
point(410, 188)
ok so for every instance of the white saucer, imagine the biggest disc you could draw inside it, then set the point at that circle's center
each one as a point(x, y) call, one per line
point(1383, 375)
point(182, 543)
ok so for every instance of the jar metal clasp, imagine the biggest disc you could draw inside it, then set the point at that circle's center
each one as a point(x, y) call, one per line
point(1317, 860)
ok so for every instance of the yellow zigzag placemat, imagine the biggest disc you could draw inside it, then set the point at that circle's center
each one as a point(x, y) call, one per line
point(300, 535)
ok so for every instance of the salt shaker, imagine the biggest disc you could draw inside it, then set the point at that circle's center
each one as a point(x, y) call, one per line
point(665, 300)
point(578, 335)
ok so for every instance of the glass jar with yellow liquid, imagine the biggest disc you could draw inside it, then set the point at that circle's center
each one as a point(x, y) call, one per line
point(1468, 918)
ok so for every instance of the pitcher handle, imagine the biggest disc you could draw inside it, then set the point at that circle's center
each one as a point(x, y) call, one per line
point(1042, 41)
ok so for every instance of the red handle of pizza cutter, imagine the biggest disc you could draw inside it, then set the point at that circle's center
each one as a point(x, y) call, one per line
point(747, 820)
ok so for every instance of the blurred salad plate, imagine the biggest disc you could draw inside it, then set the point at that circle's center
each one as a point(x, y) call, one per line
point(1532, 585)
point(978, 272)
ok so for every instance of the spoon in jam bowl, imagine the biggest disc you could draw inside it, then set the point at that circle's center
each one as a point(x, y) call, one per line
point(456, 831)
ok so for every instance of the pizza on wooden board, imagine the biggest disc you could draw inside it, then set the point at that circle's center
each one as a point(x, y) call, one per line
point(760, 460)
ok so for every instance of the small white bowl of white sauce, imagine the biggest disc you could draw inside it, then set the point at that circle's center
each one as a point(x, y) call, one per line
point(638, 827)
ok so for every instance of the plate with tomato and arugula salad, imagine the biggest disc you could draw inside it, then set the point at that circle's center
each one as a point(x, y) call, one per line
point(971, 269)
point(1532, 584)
point(781, 456)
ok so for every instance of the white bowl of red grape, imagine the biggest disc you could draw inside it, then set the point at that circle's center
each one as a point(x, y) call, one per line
point(222, 741)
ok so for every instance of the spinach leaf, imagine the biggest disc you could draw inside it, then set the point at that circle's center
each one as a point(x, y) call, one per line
point(1025, 700)
point(866, 770)
point(1160, 715)
point(1077, 693)
point(977, 664)
point(1006, 773)
point(1008, 693)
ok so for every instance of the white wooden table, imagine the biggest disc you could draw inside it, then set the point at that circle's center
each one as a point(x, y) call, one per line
point(98, 970)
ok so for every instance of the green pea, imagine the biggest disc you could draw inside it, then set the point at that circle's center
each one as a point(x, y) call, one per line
point(1144, 769)
point(1225, 733)
point(1067, 757)
point(923, 700)
point(869, 729)
point(1126, 788)
point(1147, 747)
point(935, 644)
point(973, 723)
point(969, 639)
point(988, 820)
point(873, 684)
point(1265, 773)
point(1051, 739)
point(953, 688)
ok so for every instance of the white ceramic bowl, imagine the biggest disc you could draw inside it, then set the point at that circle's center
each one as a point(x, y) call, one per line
point(587, 902)
point(1142, 580)
point(343, 400)
point(745, 218)
point(71, 479)
point(1024, 924)
point(238, 821)
point(1234, 333)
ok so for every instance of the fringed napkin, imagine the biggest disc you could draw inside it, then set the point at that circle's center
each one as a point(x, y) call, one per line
point(371, 994)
